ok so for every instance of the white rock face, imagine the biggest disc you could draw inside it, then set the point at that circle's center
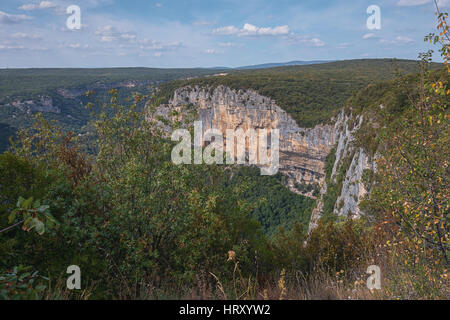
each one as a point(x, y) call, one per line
point(353, 189)
point(44, 104)
point(302, 150)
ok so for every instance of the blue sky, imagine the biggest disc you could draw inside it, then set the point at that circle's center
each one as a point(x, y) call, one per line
point(206, 33)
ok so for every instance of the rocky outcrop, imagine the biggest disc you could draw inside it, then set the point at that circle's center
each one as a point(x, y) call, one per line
point(70, 93)
point(351, 160)
point(43, 104)
point(302, 150)
point(352, 187)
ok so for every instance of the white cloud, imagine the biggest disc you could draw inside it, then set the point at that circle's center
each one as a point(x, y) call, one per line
point(12, 18)
point(159, 46)
point(316, 42)
point(158, 5)
point(128, 36)
point(40, 48)
point(299, 39)
point(22, 35)
point(203, 23)
point(229, 30)
point(78, 46)
point(213, 51)
point(369, 36)
point(107, 39)
point(29, 7)
point(9, 47)
point(251, 30)
point(229, 44)
point(398, 40)
point(105, 30)
point(343, 45)
point(109, 33)
point(402, 39)
point(154, 54)
point(47, 5)
point(42, 5)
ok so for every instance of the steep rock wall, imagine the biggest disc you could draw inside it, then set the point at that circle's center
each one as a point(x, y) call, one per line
point(352, 161)
point(302, 150)
point(43, 104)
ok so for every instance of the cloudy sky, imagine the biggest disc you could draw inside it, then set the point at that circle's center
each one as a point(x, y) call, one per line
point(206, 33)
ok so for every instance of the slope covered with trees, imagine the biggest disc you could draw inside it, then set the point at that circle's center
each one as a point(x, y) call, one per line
point(311, 94)
point(22, 91)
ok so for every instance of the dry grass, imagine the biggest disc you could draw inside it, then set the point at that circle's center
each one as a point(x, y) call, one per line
point(59, 291)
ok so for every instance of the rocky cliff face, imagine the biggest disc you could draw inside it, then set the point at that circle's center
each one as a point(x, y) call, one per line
point(43, 104)
point(351, 161)
point(302, 150)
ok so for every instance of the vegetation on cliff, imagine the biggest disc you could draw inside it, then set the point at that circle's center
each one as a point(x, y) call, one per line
point(311, 94)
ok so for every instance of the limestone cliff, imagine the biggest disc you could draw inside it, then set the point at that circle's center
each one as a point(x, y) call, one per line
point(351, 161)
point(43, 104)
point(302, 150)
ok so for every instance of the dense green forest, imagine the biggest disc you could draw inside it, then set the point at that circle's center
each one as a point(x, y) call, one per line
point(6, 131)
point(26, 82)
point(66, 88)
point(71, 113)
point(275, 205)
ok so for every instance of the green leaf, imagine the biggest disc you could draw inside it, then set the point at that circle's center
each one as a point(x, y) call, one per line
point(12, 216)
point(23, 276)
point(40, 227)
point(20, 201)
point(36, 204)
point(27, 223)
point(43, 208)
point(51, 218)
point(27, 203)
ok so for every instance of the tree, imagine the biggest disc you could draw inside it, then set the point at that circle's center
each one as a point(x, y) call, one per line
point(412, 191)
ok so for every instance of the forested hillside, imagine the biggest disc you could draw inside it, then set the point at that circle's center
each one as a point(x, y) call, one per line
point(26, 82)
point(275, 206)
point(59, 93)
point(311, 94)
